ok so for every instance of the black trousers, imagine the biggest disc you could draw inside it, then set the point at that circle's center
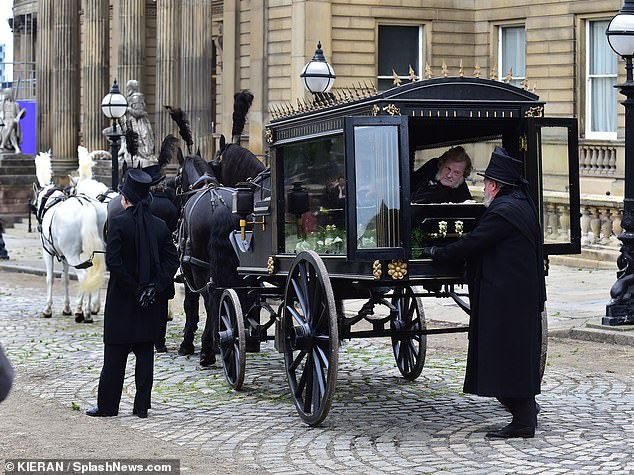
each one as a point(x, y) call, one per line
point(523, 409)
point(162, 324)
point(115, 359)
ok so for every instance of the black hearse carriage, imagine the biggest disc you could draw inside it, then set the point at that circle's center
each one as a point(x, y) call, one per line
point(310, 250)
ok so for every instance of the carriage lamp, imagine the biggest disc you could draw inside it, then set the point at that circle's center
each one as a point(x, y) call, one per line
point(242, 205)
point(114, 106)
point(620, 35)
point(317, 75)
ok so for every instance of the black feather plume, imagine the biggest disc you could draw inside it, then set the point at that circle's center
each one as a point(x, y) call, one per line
point(184, 129)
point(131, 142)
point(169, 150)
point(242, 101)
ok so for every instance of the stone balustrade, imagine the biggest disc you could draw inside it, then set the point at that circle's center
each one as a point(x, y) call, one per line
point(597, 159)
point(600, 219)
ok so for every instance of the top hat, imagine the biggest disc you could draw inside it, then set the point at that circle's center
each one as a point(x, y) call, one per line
point(136, 186)
point(155, 173)
point(503, 168)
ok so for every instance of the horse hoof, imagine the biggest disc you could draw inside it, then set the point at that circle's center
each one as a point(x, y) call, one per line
point(66, 313)
point(207, 359)
point(88, 320)
point(79, 317)
point(47, 315)
point(94, 312)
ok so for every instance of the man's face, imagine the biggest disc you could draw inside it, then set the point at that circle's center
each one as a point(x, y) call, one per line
point(451, 174)
point(489, 191)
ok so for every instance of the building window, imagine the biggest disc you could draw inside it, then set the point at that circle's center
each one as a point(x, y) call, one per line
point(399, 48)
point(512, 54)
point(601, 76)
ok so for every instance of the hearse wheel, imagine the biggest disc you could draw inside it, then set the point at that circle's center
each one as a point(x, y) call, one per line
point(409, 351)
point(232, 339)
point(310, 337)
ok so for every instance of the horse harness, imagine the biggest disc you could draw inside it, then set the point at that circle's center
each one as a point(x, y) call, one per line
point(47, 241)
point(184, 226)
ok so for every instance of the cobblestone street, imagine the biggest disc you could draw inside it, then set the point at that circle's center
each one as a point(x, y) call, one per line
point(379, 423)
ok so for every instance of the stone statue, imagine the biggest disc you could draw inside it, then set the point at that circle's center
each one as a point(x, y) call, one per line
point(10, 115)
point(137, 118)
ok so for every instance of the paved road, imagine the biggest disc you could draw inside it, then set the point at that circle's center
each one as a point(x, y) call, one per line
point(378, 424)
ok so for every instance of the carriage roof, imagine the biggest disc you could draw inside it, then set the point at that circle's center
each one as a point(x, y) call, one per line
point(436, 98)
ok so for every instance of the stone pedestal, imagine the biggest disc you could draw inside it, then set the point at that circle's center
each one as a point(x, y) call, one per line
point(17, 175)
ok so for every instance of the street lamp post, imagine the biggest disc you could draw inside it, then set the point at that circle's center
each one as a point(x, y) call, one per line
point(114, 106)
point(620, 310)
point(317, 75)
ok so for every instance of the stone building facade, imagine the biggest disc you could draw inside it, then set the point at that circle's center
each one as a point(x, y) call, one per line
point(196, 53)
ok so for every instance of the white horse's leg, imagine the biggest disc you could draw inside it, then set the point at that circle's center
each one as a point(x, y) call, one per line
point(95, 305)
point(88, 309)
point(48, 262)
point(65, 281)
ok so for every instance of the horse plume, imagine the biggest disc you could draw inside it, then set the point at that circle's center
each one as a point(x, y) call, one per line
point(242, 101)
point(169, 150)
point(184, 128)
point(43, 168)
point(131, 142)
point(85, 163)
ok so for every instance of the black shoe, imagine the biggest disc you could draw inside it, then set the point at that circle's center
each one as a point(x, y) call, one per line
point(161, 349)
point(512, 431)
point(140, 413)
point(96, 412)
point(185, 350)
point(207, 359)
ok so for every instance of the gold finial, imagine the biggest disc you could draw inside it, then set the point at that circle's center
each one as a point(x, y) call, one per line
point(494, 73)
point(444, 69)
point(476, 71)
point(397, 80)
point(509, 76)
point(461, 71)
point(412, 74)
point(428, 74)
point(525, 83)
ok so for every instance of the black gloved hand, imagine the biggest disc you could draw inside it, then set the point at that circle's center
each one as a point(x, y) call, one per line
point(429, 251)
point(147, 296)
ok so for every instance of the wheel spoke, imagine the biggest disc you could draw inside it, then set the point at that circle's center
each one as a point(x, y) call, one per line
point(319, 373)
point(300, 356)
point(304, 292)
point(301, 297)
point(296, 316)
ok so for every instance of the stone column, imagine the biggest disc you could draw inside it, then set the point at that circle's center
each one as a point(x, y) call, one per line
point(258, 83)
point(196, 68)
point(131, 43)
point(64, 112)
point(230, 61)
point(95, 79)
point(43, 73)
point(305, 34)
point(168, 20)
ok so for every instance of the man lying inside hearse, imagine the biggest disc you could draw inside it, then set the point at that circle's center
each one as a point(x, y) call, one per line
point(442, 179)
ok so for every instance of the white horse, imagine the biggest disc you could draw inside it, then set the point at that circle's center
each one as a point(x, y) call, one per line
point(70, 232)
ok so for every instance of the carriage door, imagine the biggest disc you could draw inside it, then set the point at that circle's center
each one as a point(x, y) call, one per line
point(554, 151)
point(376, 157)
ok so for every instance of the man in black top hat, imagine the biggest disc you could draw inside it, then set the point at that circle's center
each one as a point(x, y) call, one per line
point(505, 272)
point(142, 261)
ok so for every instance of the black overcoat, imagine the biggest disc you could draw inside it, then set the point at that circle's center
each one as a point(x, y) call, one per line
point(163, 207)
point(124, 319)
point(507, 294)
